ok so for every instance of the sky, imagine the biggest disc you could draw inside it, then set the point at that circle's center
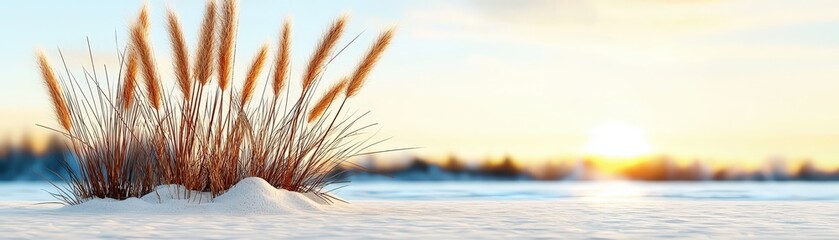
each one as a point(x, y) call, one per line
point(739, 80)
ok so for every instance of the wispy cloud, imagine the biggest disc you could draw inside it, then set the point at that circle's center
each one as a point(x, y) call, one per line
point(616, 21)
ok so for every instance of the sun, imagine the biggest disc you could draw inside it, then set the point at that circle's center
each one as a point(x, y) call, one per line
point(617, 140)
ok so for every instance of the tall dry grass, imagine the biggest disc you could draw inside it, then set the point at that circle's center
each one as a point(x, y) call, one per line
point(211, 135)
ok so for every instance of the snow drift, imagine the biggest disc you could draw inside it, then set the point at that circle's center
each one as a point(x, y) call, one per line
point(249, 196)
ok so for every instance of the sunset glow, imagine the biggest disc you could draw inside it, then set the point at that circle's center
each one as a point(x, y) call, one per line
point(618, 140)
point(702, 78)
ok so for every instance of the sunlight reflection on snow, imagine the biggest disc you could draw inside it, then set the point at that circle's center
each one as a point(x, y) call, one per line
point(612, 191)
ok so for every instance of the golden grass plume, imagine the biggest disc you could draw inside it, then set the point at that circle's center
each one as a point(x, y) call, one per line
point(59, 104)
point(227, 36)
point(282, 59)
point(367, 63)
point(326, 100)
point(253, 73)
point(180, 53)
point(203, 67)
point(130, 81)
point(324, 48)
point(140, 44)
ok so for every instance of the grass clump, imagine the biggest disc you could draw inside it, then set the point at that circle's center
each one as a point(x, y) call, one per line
point(131, 134)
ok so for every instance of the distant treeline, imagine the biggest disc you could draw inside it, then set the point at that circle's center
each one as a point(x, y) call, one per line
point(648, 169)
point(24, 163)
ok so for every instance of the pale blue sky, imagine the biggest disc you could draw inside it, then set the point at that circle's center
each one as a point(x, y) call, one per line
point(734, 79)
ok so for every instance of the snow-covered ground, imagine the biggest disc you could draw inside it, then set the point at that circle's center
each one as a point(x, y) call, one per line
point(445, 219)
point(592, 211)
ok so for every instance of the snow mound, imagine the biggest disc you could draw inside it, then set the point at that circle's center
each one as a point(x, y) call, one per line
point(249, 196)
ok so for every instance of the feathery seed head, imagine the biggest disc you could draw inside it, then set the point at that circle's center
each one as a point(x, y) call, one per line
point(203, 66)
point(326, 100)
point(59, 104)
point(282, 59)
point(130, 82)
point(324, 48)
point(367, 63)
point(226, 39)
point(181, 54)
point(140, 44)
point(253, 73)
